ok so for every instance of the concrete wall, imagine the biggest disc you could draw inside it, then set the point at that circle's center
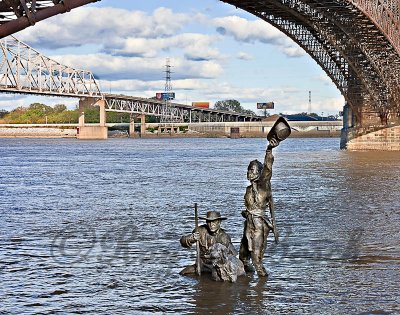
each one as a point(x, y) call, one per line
point(41, 132)
point(261, 128)
point(387, 139)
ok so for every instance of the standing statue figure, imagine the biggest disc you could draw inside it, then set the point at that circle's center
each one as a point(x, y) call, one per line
point(257, 199)
point(217, 253)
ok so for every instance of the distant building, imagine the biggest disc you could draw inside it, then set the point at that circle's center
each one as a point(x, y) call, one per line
point(301, 117)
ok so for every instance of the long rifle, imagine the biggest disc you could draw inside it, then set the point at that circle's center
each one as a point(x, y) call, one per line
point(272, 211)
point(198, 259)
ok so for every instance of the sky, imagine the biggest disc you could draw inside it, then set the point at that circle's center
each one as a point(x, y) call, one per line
point(216, 52)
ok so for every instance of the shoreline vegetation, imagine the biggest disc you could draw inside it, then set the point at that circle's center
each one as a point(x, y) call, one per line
point(43, 121)
point(38, 113)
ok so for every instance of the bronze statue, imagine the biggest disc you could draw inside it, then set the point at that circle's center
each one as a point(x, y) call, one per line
point(257, 199)
point(217, 253)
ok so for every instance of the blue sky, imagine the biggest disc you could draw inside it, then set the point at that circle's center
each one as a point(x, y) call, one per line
point(217, 52)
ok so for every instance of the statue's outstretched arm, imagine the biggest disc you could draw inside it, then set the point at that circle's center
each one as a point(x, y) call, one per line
point(267, 170)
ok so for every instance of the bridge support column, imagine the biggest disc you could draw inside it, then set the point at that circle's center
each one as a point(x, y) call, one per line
point(142, 125)
point(92, 132)
point(81, 119)
point(102, 105)
point(132, 131)
point(132, 127)
point(387, 139)
point(348, 125)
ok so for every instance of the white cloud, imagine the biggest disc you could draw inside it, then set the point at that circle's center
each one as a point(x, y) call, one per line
point(243, 30)
point(120, 67)
point(324, 78)
point(244, 56)
point(132, 46)
point(293, 52)
point(185, 89)
point(328, 105)
point(91, 25)
point(195, 46)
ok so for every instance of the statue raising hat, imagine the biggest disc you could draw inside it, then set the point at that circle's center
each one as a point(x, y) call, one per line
point(257, 199)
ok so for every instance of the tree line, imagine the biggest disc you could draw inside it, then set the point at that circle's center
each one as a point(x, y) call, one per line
point(38, 113)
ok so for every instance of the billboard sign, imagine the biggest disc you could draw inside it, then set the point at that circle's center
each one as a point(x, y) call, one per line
point(201, 104)
point(269, 105)
point(165, 96)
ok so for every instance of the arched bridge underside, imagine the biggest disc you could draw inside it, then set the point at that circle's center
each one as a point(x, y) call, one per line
point(15, 15)
point(356, 42)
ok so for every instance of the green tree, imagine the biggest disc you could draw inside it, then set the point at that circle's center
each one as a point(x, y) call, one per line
point(67, 117)
point(59, 108)
point(92, 114)
point(40, 109)
point(232, 106)
point(114, 117)
point(229, 105)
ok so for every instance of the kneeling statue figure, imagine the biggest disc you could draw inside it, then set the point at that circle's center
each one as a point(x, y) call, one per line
point(217, 253)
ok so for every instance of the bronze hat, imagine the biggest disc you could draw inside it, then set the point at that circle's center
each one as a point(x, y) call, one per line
point(280, 129)
point(213, 215)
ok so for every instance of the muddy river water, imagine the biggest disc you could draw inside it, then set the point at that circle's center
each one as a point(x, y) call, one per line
point(93, 227)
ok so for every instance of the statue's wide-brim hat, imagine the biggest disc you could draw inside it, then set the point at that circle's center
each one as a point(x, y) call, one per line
point(213, 215)
point(281, 130)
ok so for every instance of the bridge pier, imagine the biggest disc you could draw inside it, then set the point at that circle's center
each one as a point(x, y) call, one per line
point(142, 125)
point(373, 137)
point(142, 132)
point(348, 124)
point(132, 133)
point(386, 139)
point(92, 132)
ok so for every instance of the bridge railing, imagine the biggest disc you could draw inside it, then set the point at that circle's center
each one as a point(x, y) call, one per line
point(24, 70)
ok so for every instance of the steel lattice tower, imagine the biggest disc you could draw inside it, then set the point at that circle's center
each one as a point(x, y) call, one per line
point(168, 113)
point(168, 84)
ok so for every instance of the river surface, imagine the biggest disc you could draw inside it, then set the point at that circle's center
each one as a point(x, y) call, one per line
point(93, 227)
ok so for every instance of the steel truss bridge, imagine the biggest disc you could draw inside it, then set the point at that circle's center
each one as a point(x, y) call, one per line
point(175, 112)
point(356, 42)
point(24, 70)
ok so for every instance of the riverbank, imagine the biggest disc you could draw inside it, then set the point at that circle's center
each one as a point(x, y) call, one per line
point(37, 132)
point(70, 132)
point(188, 130)
point(294, 134)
